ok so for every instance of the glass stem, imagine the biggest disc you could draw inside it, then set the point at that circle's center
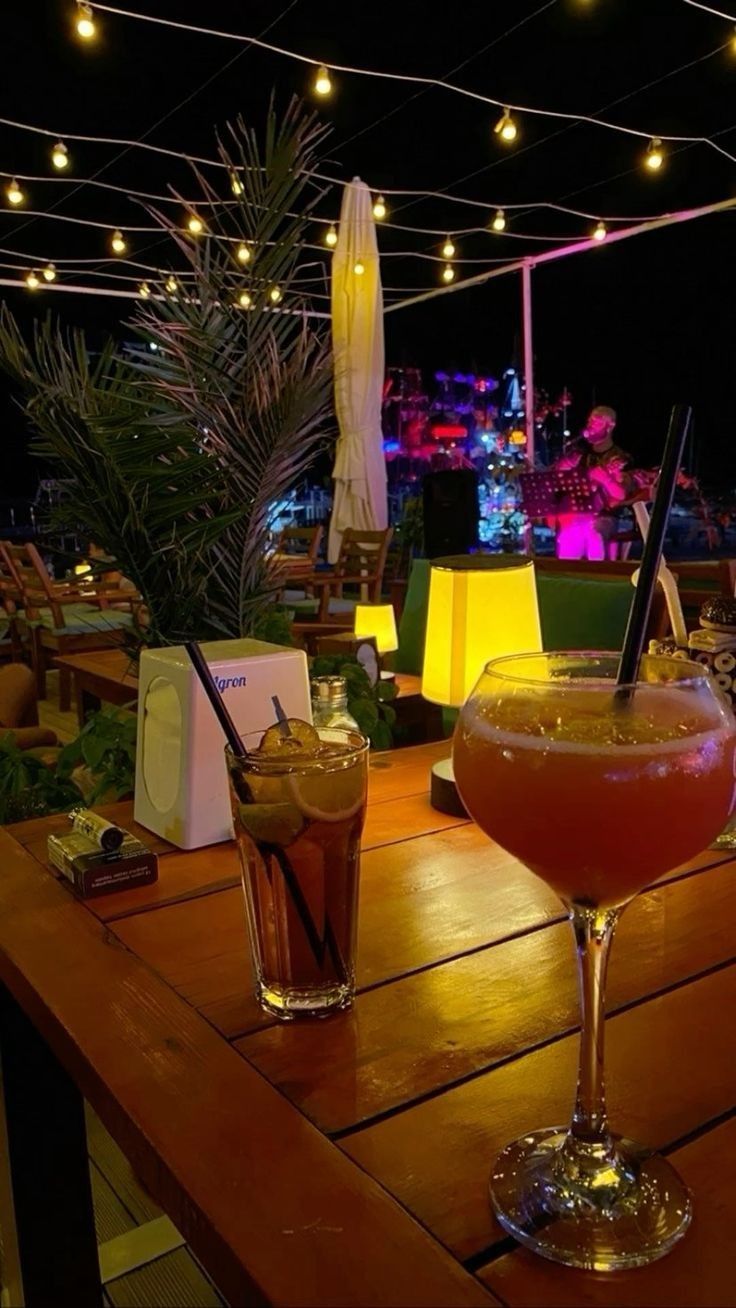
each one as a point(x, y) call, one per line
point(593, 929)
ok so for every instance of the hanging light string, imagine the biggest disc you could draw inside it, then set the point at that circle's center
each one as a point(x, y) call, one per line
point(415, 80)
point(718, 13)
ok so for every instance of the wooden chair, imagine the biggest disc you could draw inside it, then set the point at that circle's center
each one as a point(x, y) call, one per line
point(11, 644)
point(361, 562)
point(62, 617)
point(300, 543)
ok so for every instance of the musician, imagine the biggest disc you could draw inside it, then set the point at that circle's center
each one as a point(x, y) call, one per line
point(608, 471)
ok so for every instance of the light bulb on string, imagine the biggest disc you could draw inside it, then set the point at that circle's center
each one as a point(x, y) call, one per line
point(655, 154)
point(243, 253)
point(379, 208)
point(331, 236)
point(600, 231)
point(448, 273)
point(60, 156)
point(499, 221)
point(33, 281)
point(323, 82)
point(733, 41)
point(448, 249)
point(14, 193)
point(275, 294)
point(506, 127)
point(172, 284)
point(244, 300)
point(86, 27)
point(195, 224)
point(49, 272)
point(144, 290)
point(118, 243)
point(358, 267)
point(236, 185)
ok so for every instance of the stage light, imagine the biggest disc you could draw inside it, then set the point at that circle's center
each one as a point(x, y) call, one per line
point(33, 281)
point(331, 236)
point(359, 267)
point(448, 273)
point(275, 294)
point(243, 253)
point(49, 272)
point(379, 208)
point(118, 243)
point(655, 154)
point(322, 82)
point(499, 222)
point(172, 284)
point(448, 249)
point(85, 21)
point(60, 156)
point(14, 193)
point(144, 290)
point(600, 232)
point(244, 300)
point(195, 224)
point(506, 127)
point(235, 184)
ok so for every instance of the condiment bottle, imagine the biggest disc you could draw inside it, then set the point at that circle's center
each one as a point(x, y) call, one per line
point(330, 703)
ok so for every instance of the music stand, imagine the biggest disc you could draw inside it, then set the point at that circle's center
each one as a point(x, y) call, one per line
point(555, 490)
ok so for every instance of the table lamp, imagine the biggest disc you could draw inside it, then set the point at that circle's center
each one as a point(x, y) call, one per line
point(379, 621)
point(481, 607)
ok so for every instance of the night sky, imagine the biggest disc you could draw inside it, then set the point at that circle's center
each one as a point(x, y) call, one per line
point(636, 325)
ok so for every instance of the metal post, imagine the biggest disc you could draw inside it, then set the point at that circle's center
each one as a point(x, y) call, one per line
point(526, 286)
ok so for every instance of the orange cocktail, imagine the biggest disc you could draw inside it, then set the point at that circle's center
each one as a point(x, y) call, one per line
point(598, 790)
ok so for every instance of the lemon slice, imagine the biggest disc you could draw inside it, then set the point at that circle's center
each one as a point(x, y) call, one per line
point(271, 824)
point(334, 797)
point(290, 737)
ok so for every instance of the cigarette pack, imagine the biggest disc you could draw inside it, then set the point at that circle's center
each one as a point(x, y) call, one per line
point(92, 872)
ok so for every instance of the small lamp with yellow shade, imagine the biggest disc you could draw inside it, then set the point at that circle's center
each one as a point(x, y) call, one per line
point(481, 607)
point(379, 621)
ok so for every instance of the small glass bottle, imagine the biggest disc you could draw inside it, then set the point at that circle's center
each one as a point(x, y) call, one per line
point(330, 703)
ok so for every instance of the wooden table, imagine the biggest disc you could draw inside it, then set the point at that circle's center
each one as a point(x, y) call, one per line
point(109, 676)
point(346, 1161)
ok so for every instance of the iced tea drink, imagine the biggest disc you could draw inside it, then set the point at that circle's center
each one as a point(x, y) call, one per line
point(298, 811)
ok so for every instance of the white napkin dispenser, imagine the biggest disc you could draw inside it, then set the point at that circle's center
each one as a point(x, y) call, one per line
point(181, 789)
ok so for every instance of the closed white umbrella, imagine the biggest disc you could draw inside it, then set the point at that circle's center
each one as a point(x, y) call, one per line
point(357, 338)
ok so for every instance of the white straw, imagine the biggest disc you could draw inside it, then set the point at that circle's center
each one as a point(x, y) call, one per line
point(666, 580)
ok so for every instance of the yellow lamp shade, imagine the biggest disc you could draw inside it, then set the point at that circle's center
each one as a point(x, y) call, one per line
point(480, 607)
point(377, 620)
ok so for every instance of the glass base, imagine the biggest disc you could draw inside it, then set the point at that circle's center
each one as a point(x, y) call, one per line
point(586, 1206)
point(289, 1002)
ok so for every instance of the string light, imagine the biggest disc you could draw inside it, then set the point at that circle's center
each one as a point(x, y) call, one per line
point(506, 127)
point(172, 284)
point(733, 41)
point(275, 294)
point(33, 281)
point(60, 155)
point(600, 232)
point(655, 154)
point(144, 290)
point(448, 249)
point(14, 193)
point(448, 273)
point(245, 301)
point(243, 253)
point(85, 21)
point(379, 208)
point(499, 222)
point(49, 272)
point(118, 243)
point(235, 184)
point(322, 82)
point(331, 236)
point(195, 224)
point(359, 267)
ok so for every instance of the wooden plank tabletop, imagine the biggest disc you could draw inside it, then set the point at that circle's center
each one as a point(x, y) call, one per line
point(346, 1161)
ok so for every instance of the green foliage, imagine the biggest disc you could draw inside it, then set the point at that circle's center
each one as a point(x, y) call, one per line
point(106, 747)
point(28, 788)
point(174, 458)
point(370, 705)
point(273, 624)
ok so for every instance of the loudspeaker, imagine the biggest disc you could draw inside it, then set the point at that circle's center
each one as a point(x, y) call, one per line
point(451, 512)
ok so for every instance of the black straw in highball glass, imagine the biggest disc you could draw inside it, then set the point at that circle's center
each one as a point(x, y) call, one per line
point(208, 685)
point(628, 668)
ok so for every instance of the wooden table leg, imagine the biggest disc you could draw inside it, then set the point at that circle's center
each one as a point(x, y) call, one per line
point(49, 1169)
point(88, 703)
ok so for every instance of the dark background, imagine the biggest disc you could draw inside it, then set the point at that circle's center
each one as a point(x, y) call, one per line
point(636, 325)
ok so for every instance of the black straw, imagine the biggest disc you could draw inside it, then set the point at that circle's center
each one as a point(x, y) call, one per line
point(628, 668)
point(208, 685)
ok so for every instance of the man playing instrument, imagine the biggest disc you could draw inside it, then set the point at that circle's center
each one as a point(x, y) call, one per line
point(608, 471)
